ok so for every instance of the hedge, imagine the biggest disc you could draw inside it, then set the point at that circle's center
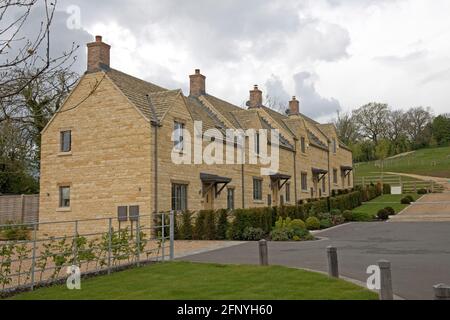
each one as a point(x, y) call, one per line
point(222, 224)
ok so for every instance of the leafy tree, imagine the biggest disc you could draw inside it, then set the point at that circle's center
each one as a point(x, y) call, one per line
point(371, 120)
point(441, 129)
point(346, 128)
point(418, 121)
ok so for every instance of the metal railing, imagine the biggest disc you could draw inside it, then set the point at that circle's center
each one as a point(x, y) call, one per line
point(37, 254)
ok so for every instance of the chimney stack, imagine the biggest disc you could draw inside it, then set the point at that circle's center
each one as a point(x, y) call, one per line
point(294, 108)
point(197, 87)
point(255, 98)
point(98, 55)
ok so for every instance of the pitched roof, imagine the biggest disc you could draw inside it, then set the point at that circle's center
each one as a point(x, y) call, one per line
point(136, 90)
point(154, 102)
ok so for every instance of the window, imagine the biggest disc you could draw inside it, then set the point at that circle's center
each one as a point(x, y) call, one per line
point(335, 176)
point(288, 192)
point(304, 181)
point(269, 200)
point(64, 197)
point(178, 136)
point(66, 141)
point(334, 145)
point(349, 180)
point(257, 189)
point(323, 185)
point(179, 197)
point(257, 148)
point(302, 144)
point(230, 199)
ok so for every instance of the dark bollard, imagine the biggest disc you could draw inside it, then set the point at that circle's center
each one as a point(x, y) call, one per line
point(263, 254)
point(333, 269)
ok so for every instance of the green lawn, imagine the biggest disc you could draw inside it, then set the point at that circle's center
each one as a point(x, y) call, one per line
point(185, 280)
point(428, 162)
point(386, 200)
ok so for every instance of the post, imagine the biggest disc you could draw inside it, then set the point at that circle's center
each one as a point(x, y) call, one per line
point(109, 245)
point(263, 253)
point(163, 235)
point(33, 261)
point(432, 186)
point(386, 292)
point(441, 292)
point(333, 269)
point(138, 241)
point(172, 218)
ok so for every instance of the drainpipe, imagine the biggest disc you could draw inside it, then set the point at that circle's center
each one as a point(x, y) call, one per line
point(295, 172)
point(243, 186)
point(155, 163)
point(329, 177)
point(155, 123)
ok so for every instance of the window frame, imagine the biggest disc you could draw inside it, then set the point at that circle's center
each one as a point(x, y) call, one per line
point(62, 145)
point(287, 195)
point(230, 201)
point(61, 200)
point(257, 193)
point(303, 144)
point(335, 176)
point(178, 203)
point(304, 184)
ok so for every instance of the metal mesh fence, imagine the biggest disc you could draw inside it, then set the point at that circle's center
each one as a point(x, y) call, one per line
point(36, 254)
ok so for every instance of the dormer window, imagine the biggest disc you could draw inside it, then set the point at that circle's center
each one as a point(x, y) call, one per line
point(66, 141)
point(334, 145)
point(257, 143)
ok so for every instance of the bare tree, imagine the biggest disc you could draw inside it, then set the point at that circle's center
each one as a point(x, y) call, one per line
point(371, 120)
point(21, 52)
point(346, 127)
point(417, 119)
point(277, 104)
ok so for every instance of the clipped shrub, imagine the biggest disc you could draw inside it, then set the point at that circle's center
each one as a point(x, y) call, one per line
point(297, 223)
point(362, 216)
point(390, 211)
point(256, 218)
point(383, 214)
point(348, 215)
point(405, 200)
point(253, 234)
point(185, 230)
point(312, 223)
point(334, 212)
point(222, 224)
point(287, 229)
point(386, 188)
point(422, 191)
point(410, 197)
point(326, 223)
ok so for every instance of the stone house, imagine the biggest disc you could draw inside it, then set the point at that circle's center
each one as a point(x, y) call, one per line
point(111, 144)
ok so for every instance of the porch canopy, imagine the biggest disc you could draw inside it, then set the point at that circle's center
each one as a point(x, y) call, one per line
point(346, 170)
point(212, 180)
point(319, 172)
point(277, 177)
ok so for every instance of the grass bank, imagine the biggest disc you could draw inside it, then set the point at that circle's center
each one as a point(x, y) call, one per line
point(185, 280)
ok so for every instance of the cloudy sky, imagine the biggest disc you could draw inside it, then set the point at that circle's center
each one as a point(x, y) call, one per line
point(332, 54)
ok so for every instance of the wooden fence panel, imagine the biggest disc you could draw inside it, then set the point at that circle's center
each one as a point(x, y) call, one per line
point(19, 208)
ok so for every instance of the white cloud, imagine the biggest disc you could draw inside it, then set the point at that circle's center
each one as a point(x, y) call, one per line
point(330, 53)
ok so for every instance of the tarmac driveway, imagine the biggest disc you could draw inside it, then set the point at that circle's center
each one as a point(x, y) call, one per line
point(419, 253)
